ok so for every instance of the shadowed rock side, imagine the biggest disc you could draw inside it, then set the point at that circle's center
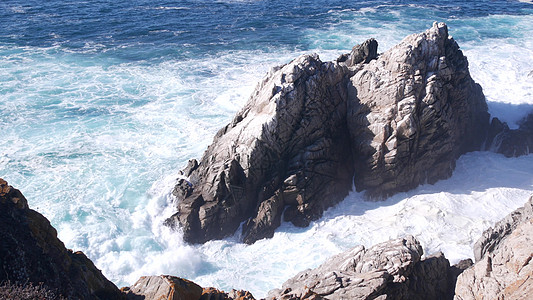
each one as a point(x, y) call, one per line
point(511, 142)
point(30, 252)
point(504, 266)
point(392, 121)
point(390, 270)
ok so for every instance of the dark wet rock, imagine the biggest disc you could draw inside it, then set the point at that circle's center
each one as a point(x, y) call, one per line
point(30, 252)
point(504, 266)
point(362, 53)
point(391, 121)
point(511, 142)
point(390, 270)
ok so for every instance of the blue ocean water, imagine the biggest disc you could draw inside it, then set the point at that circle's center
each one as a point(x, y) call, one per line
point(101, 103)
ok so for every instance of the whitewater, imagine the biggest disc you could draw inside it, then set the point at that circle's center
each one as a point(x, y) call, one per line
point(101, 104)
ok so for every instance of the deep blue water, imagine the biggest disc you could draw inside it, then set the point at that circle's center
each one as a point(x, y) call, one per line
point(140, 30)
point(101, 103)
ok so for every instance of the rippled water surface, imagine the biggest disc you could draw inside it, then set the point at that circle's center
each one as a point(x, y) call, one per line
point(101, 102)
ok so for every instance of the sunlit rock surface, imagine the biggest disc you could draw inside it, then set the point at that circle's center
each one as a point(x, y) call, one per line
point(391, 121)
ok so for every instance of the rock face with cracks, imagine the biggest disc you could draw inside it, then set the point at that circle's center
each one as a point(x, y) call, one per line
point(504, 265)
point(390, 270)
point(311, 129)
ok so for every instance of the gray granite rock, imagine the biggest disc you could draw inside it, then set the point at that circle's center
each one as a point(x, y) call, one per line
point(394, 121)
point(492, 237)
point(413, 112)
point(287, 149)
point(390, 270)
point(504, 267)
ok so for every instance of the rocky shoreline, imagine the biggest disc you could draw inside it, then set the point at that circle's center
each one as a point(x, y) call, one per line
point(382, 122)
point(31, 253)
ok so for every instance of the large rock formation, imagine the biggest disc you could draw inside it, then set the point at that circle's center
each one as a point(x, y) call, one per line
point(504, 267)
point(390, 270)
point(30, 252)
point(310, 127)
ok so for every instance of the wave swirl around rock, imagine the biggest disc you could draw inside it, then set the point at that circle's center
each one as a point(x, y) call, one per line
point(312, 129)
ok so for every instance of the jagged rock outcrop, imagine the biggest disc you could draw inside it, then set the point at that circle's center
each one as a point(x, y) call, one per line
point(511, 142)
point(504, 266)
point(390, 270)
point(288, 147)
point(412, 113)
point(31, 252)
point(391, 122)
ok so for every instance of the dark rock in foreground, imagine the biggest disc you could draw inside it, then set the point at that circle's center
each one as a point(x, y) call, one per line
point(30, 252)
point(390, 270)
point(504, 265)
point(391, 122)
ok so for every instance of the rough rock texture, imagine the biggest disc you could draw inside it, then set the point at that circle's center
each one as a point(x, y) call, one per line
point(391, 270)
point(492, 237)
point(504, 267)
point(416, 110)
point(511, 142)
point(31, 252)
point(287, 147)
point(393, 121)
point(214, 294)
point(163, 287)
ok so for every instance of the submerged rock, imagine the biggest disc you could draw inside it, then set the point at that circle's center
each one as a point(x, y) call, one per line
point(30, 252)
point(390, 270)
point(392, 122)
point(504, 267)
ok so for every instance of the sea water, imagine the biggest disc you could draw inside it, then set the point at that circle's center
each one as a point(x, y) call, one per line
point(102, 102)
